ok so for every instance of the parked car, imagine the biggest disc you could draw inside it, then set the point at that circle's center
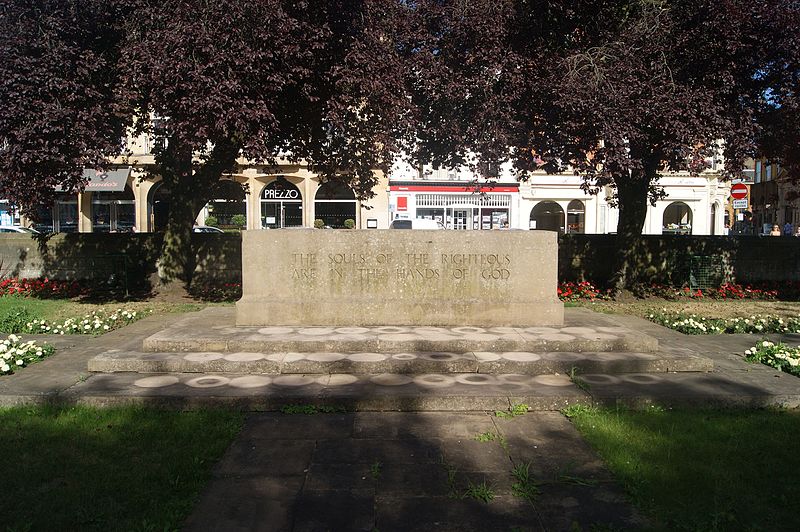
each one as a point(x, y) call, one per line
point(416, 223)
point(17, 229)
point(206, 229)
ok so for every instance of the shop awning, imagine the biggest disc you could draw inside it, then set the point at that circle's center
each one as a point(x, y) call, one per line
point(109, 180)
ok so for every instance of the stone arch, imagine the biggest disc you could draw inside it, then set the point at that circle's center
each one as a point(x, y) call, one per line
point(548, 216)
point(576, 217)
point(677, 219)
point(334, 203)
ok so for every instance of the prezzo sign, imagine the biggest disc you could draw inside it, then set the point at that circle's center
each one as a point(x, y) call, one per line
point(281, 194)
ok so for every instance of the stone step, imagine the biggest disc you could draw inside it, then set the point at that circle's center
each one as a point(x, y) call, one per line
point(398, 339)
point(380, 392)
point(457, 392)
point(482, 362)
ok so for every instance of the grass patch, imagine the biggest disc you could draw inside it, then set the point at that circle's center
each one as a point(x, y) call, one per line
point(480, 492)
point(376, 470)
point(702, 469)
point(310, 410)
point(513, 411)
point(111, 469)
point(57, 309)
point(525, 485)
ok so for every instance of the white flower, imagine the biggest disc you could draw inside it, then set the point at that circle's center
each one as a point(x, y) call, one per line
point(20, 362)
point(748, 352)
point(4, 367)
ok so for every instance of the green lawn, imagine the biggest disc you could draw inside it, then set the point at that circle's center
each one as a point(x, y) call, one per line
point(702, 469)
point(106, 469)
point(53, 309)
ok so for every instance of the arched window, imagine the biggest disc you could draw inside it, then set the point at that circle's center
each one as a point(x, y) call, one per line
point(334, 203)
point(677, 219)
point(547, 216)
point(113, 211)
point(576, 217)
point(713, 224)
point(281, 205)
point(158, 207)
point(228, 206)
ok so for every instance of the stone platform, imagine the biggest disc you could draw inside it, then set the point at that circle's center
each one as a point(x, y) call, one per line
point(213, 330)
point(204, 359)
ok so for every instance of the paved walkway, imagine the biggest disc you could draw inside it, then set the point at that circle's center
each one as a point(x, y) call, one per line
point(423, 470)
point(410, 471)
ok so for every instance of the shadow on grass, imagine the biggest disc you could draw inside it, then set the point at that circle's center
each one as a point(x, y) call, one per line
point(78, 468)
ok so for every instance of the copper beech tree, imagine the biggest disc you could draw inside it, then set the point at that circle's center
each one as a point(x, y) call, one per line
point(616, 91)
point(260, 79)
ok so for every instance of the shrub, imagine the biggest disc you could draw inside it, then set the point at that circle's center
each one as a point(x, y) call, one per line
point(349, 223)
point(212, 221)
point(239, 220)
point(319, 224)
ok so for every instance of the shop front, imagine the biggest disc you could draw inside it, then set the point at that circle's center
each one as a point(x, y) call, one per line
point(281, 205)
point(457, 206)
point(107, 204)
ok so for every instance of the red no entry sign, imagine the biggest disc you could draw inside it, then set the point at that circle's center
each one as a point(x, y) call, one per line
point(739, 191)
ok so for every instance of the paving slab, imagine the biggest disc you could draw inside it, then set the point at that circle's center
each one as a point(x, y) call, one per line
point(367, 478)
point(213, 330)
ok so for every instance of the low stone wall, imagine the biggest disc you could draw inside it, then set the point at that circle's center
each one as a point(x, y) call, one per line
point(126, 260)
point(385, 277)
point(130, 258)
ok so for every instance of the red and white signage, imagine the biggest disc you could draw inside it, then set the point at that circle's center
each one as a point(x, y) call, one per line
point(739, 191)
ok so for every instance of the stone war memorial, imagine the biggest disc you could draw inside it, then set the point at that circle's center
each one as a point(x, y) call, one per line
point(386, 277)
point(386, 320)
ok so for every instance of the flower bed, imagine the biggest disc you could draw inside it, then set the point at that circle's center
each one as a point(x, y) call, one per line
point(95, 323)
point(582, 291)
point(779, 356)
point(40, 288)
point(15, 354)
point(693, 324)
point(216, 292)
point(726, 291)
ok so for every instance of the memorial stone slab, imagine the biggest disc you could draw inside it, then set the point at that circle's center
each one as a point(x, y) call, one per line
point(385, 277)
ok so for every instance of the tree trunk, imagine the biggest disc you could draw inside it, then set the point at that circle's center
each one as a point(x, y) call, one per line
point(177, 261)
point(632, 197)
point(191, 187)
